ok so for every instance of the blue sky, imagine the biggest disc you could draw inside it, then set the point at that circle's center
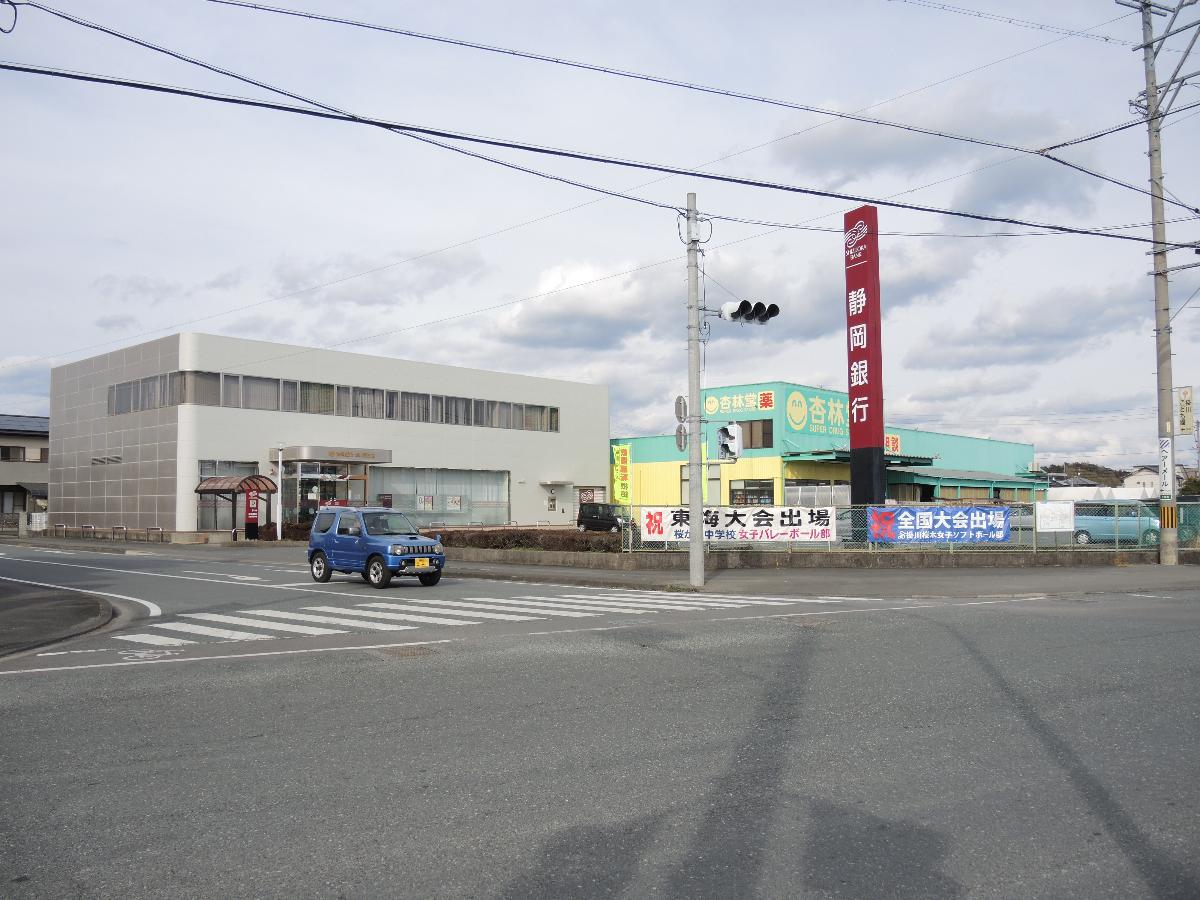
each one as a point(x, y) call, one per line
point(131, 215)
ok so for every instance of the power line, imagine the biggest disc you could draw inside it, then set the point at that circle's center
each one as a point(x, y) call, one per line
point(1024, 23)
point(676, 83)
point(419, 130)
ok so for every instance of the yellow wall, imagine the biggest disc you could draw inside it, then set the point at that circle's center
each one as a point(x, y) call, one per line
point(657, 484)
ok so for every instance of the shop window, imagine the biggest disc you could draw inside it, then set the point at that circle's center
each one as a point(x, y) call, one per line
point(758, 434)
point(752, 493)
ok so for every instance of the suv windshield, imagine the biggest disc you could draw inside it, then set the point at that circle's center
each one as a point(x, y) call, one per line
point(388, 523)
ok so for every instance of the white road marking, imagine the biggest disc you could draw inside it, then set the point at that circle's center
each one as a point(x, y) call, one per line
point(1151, 596)
point(254, 623)
point(449, 607)
point(559, 607)
point(597, 628)
point(400, 617)
point(184, 659)
point(68, 652)
point(328, 620)
point(631, 604)
point(189, 628)
point(622, 597)
point(153, 608)
point(158, 640)
point(864, 599)
point(225, 575)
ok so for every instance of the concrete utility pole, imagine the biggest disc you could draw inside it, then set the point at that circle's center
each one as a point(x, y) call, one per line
point(695, 487)
point(1168, 546)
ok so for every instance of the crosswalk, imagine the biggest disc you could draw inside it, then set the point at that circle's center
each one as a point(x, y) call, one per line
point(408, 615)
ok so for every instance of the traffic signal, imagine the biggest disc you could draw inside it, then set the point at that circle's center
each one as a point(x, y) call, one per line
point(729, 441)
point(745, 311)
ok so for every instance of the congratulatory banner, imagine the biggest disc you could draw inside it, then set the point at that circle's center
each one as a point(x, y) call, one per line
point(749, 524)
point(938, 524)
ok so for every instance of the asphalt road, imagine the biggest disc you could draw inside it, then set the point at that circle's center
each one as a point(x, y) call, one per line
point(906, 736)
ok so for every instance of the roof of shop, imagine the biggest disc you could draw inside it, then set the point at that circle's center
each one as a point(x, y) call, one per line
point(236, 484)
point(25, 424)
point(923, 474)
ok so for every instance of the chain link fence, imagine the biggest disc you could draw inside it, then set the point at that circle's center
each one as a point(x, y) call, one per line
point(1085, 526)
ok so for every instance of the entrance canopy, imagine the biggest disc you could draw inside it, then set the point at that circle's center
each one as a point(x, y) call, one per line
point(236, 484)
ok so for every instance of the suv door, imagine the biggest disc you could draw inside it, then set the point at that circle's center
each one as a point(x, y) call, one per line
point(348, 543)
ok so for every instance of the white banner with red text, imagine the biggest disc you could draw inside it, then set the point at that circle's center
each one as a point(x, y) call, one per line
point(741, 524)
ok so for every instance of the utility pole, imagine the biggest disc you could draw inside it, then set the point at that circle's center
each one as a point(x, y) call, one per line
point(695, 486)
point(1168, 547)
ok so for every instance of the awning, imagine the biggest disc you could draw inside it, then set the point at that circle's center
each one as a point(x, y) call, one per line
point(841, 454)
point(236, 484)
point(37, 490)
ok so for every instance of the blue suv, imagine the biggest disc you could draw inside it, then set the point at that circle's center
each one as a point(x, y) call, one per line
point(375, 542)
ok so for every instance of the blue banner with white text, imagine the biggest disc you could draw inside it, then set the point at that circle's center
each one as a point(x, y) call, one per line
point(938, 524)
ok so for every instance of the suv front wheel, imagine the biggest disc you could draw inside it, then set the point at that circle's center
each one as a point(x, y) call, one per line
point(378, 574)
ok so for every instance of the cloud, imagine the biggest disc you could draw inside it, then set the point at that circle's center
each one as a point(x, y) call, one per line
point(115, 322)
point(843, 151)
point(357, 281)
point(1052, 326)
point(136, 288)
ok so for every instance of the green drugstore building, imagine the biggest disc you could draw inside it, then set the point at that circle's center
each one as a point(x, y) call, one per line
point(796, 452)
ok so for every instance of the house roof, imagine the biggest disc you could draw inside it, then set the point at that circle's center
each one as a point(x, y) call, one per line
point(24, 424)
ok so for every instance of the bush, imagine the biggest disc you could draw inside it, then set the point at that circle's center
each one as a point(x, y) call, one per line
point(532, 539)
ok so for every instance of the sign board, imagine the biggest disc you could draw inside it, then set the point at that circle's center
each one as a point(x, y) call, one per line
point(740, 525)
point(1166, 468)
point(680, 408)
point(681, 437)
point(938, 524)
point(251, 507)
point(1055, 515)
point(1187, 413)
point(864, 360)
point(747, 401)
point(385, 500)
point(454, 503)
point(621, 474)
point(587, 495)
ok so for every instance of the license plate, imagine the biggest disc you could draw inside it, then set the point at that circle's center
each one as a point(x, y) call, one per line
point(421, 563)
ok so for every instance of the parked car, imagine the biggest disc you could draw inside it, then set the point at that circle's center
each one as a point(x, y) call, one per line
point(377, 543)
point(1116, 522)
point(599, 517)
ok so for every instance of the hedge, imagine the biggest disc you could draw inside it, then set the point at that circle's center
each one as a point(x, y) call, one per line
point(532, 539)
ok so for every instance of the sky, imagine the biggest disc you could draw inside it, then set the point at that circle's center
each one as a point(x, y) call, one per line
point(129, 215)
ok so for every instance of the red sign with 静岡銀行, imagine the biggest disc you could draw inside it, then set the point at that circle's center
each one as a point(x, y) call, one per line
point(864, 361)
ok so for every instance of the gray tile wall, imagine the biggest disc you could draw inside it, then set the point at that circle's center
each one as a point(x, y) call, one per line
point(139, 491)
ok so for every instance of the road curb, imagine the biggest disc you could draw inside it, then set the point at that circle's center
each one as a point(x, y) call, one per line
point(106, 615)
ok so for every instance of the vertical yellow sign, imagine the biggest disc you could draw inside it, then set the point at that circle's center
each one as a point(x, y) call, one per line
point(622, 474)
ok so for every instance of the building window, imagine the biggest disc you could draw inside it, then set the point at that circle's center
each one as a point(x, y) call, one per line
point(458, 411)
point(536, 418)
point(437, 409)
point(752, 493)
point(758, 434)
point(368, 403)
point(414, 407)
point(345, 405)
point(12, 454)
point(260, 393)
point(215, 513)
point(201, 388)
point(392, 404)
point(712, 494)
point(289, 396)
point(316, 398)
point(231, 390)
point(44, 455)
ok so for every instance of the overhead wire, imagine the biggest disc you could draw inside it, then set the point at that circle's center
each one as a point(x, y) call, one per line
point(412, 130)
point(686, 85)
point(1023, 23)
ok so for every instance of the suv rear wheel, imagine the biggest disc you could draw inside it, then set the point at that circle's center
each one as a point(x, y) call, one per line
point(319, 567)
point(378, 574)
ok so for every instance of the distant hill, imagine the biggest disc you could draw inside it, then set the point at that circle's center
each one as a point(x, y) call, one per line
point(1100, 474)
